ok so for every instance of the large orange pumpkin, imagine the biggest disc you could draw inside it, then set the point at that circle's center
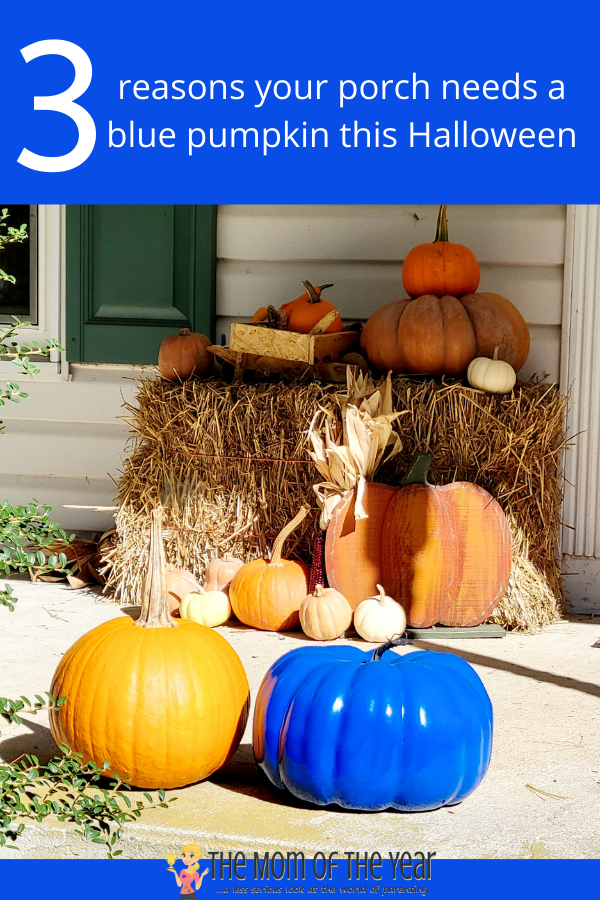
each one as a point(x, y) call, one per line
point(185, 354)
point(442, 335)
point(440, 268)
point(164, 701)
point(267, 594)
point(444, 553)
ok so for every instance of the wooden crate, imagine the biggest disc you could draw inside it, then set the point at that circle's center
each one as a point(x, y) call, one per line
point(289, 345)
point(290, 368)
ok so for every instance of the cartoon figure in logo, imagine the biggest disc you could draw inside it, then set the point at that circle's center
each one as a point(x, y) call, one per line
point(188, 879)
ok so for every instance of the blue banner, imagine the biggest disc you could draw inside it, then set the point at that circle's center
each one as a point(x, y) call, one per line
point(386, 102)
point(266, 875)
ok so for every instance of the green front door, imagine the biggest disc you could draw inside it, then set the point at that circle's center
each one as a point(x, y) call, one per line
point(134, 275)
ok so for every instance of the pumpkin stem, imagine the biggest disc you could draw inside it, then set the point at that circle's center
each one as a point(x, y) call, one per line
point(313, 297)
point(495, 356)
point(284, 534)
point(185, 331)
point(155, 608)
point(322, 287)
point(381, 595)
point(418, 471)
point(379, 651)
point(441, 234)
point(318, 591)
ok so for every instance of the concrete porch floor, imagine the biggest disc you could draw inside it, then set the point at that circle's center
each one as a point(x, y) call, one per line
point(545, 689)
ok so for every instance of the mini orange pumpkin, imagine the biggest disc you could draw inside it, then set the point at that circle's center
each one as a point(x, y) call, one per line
point(185, 354)
point(267, 594)
point(440, 268)
point(306, 311)
point(164, 700)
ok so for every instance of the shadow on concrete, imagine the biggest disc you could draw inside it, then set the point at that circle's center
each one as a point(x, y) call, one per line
point(38, 742)
point(241, 775)
point(132, 611)
point(478, 659)
point(235, 625)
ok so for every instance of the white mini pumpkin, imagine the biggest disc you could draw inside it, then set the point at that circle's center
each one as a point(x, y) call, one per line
point(209, 608)
point(492, 375)
point(379, 619)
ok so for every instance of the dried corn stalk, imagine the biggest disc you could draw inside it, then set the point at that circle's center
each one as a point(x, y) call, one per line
point(349, 451)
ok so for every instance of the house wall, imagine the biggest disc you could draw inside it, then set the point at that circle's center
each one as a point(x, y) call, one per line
point(64, 445)
point(266, 251)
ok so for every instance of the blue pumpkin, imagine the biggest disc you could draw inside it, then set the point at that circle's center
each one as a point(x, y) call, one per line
point(374, 730)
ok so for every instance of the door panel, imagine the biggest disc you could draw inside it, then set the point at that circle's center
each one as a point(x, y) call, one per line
point(134, 275)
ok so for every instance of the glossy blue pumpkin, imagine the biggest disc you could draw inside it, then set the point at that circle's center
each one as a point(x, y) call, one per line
point(336, 725)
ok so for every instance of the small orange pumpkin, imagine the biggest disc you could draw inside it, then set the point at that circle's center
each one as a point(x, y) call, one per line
point(306, 311)
point(164, 700)
point(185, 354)
point(440, 268)
point(267, 594)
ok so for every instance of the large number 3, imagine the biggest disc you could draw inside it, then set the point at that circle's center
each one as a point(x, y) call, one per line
point(64, 103)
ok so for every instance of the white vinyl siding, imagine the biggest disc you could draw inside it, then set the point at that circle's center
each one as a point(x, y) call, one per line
point(264, 252)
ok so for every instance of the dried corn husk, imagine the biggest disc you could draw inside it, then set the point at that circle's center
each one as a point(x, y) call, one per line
point(349, 449)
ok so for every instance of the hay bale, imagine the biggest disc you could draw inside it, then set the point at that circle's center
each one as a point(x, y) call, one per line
point(230, 464)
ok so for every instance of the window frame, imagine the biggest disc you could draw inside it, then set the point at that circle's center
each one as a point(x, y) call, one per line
point(50, 264)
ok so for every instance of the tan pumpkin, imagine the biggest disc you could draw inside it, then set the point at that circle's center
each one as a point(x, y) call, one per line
point(325, 614)
point(267, 594)
point(220, 571)
point(185, 354)
point(491, 375)
point(442, 335)
point(179, 583)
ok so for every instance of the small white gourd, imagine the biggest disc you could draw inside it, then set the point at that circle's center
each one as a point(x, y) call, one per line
point(209, 608)
point(492, 375)
point(379, 619)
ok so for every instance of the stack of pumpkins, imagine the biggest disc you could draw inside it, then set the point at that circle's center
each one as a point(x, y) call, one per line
point(444, 327)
